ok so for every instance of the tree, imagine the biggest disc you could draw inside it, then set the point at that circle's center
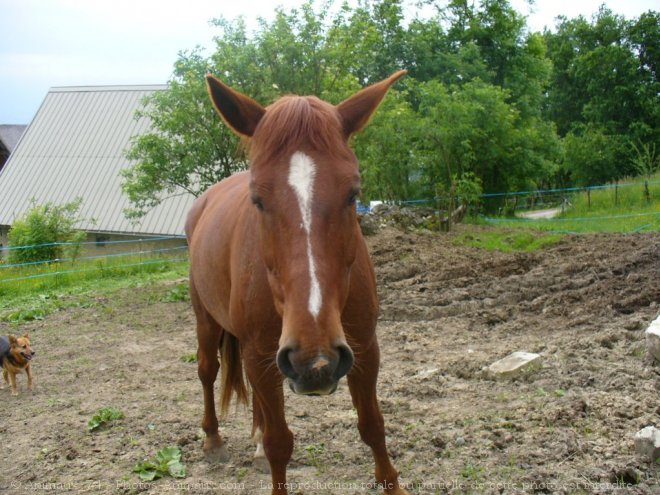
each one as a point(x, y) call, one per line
point(644, 35)
point(390, 157)
point(595, 76)
point(604, 88)
point(187, 151)
point(592, 155)
point(475, 130)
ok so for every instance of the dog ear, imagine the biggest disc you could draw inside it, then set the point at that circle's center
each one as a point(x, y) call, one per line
point(26, 335)
point(13, 340)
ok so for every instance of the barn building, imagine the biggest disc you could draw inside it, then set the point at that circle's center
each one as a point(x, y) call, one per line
point(75, 148)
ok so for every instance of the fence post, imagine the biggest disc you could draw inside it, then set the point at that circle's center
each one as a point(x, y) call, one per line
point(616, 193)
point(647, 194)
point(450, 208)
point(588, 198)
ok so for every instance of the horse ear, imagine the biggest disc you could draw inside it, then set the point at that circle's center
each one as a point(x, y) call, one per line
point(241, 113)
point(357, 110)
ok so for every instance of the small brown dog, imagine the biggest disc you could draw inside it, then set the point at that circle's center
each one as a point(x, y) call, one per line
point(16, 356)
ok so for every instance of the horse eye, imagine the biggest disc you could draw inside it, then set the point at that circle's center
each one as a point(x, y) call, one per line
point(352, 198)
point(257, 202)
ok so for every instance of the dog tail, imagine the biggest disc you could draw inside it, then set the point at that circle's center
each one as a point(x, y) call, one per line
point(233, 381)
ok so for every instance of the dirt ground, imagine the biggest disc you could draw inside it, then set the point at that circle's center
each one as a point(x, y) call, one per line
point(447, 312)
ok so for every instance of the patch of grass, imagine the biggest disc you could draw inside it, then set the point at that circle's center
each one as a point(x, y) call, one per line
point(177, 293)
point(104, 417)
point(540, 392)
point(189, 358)
point(638, 221)
point(625, 208)
point(21, 303)
point(560, 392)
point(410, 427)
point(314, 453)
point(628, 195)
point(472, 472)
point(242, 473)
point(25, 315)
point(49, 277)
point(507, 241)
point(167, 462)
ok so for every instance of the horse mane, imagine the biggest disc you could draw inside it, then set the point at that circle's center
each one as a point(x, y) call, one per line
point(294, 123)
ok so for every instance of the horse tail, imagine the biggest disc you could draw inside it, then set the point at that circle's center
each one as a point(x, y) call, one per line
point(232, 379)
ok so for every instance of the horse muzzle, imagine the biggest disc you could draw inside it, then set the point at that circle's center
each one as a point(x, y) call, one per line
point(318, 375)
point(299, 389)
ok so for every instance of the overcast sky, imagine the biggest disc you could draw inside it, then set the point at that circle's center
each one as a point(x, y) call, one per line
point(46, 43)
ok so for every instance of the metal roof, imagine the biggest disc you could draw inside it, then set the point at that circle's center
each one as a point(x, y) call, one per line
point(74, 147)
point(10, 135)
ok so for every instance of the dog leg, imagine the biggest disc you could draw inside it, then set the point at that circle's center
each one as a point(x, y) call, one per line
point(28, 370)
point(12, 382)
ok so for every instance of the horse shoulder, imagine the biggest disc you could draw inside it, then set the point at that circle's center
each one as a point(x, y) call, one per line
point(215, 197)
point(193, 215)
point(212, 227)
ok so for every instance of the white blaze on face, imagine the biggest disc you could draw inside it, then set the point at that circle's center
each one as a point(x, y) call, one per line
point(302, 171)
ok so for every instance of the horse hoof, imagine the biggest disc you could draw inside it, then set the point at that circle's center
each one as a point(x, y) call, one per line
point(397, 491)
point(261, 464)
point(216, 455)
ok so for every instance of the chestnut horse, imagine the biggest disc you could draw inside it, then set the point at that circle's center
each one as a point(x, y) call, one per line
point(280, 278)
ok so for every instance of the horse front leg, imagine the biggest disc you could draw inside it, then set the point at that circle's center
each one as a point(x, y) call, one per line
point(268, 403)
point(208, 344)
point(207, 369)
point(362, 385)
point(259, 461)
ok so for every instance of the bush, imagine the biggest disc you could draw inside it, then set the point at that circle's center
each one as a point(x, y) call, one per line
point(469, 189)
point(42, 229)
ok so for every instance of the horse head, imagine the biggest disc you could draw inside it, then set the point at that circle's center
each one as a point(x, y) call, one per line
point(304, 181)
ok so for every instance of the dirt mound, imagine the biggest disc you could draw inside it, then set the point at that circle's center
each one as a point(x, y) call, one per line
point(447, 311)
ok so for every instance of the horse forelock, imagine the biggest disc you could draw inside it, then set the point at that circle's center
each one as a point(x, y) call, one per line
point(297, 122)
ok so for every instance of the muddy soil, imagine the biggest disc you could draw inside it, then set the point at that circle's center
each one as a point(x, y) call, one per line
point(447, 312)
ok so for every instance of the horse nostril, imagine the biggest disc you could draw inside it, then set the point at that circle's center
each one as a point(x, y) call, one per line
point(284, 362)
point(345, 360)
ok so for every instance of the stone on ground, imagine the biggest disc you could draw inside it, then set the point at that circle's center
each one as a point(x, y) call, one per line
point(653, 338)
point(647, 442)
point(514, 365)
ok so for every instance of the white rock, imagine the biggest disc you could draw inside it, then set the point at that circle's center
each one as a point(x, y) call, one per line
point(515, 364)
point(647, 442)
point(427, 373)
point(653, 338)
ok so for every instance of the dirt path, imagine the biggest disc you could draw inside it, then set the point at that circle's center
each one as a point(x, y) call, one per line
point(447, 311)
point(537, 214)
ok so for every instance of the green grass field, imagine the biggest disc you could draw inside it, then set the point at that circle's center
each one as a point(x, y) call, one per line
point(31, 292)
point(507, 240)
point(622, 209)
